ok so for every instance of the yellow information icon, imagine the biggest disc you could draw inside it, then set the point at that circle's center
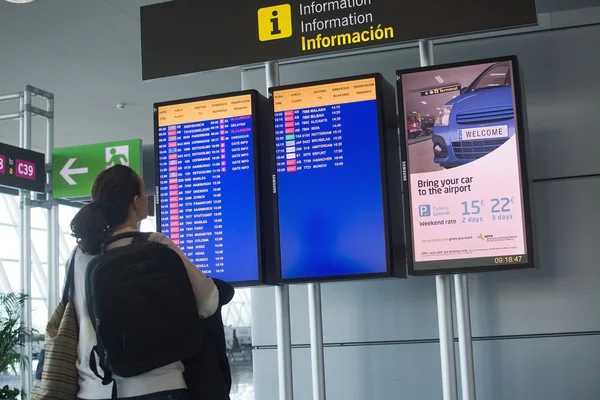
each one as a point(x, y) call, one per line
point(275, 22)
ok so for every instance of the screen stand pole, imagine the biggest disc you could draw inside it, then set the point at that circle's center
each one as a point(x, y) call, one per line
point(446, 328)
point(282, 297)
point(284, 342)
point(25, 258)
point(443, 291)
point(317, 359)
point(465, 342)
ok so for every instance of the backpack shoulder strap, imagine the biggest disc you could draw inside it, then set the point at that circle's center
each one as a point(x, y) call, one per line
point(70, 281)
point(142, 237)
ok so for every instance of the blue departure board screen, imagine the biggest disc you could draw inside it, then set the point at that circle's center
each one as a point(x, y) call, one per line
point(330, 189)
point(207, 192)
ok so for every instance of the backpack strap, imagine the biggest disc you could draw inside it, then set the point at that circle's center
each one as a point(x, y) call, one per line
point(70, 282)
point(142, 237)
point(125, 235)
point(107, 379)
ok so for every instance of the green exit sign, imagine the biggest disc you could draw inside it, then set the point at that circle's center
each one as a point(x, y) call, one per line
point(74, 169)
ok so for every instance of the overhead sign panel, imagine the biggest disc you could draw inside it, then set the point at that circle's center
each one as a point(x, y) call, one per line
point(75, 168)
point(242, 32)
point(22, 169)
point(468, 192)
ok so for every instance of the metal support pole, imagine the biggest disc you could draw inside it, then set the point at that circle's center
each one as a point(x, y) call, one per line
point(25, 233)
point(446, 329)
point(7, 117)
point(12, 96)
point(284, 342)
point(272, 75)
point(53, 225)
point(282, 298)
point(317, 359)
point(426, 52)
point(465, 342)
point(443, 291)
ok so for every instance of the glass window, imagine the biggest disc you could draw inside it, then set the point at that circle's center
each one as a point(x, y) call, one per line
point(4, 215)
point(65, 216)
point(237, 319)
point(39, 315)
point(67, 242)
point(39, 239)
point(13, 272)
point(36, 287)
point(9, 248)
point(39, 218)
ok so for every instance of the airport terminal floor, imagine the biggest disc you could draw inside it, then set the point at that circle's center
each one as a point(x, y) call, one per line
point(405, 202)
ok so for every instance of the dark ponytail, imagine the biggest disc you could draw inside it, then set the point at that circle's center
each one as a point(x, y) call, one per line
point(112, 194)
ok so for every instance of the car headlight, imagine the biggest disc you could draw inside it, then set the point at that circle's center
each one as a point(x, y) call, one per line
point(443, 118)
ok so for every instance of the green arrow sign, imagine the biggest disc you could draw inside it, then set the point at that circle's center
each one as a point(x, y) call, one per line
point(75, 168)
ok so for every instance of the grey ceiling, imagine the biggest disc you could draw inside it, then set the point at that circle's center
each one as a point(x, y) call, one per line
point(87, 52)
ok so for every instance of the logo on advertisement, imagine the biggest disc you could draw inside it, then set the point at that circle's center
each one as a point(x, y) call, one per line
point(425, 210)
point(275, 22)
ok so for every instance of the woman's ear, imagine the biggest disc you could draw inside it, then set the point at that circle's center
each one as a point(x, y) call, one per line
point(137, 203)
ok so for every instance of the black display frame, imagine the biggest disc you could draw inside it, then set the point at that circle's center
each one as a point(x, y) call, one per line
point(391, 183)
point(523, 154)
point(260, 136)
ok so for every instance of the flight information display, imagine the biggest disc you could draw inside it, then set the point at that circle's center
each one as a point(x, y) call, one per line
point(468, 191)
point(330, 182)
point(207, 191)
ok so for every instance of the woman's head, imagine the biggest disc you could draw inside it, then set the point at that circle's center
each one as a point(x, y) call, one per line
point(119, 201)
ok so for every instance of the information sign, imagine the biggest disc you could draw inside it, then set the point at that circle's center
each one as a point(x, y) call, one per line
point(468, 197)
point(22, 169)
point(76, 168)
point(242, 32)
point(335, 180)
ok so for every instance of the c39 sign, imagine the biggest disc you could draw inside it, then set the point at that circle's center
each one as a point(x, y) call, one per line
point(22, 169)
point(181, 37)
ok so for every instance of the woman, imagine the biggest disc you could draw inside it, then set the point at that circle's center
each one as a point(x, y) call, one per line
point(119, 203)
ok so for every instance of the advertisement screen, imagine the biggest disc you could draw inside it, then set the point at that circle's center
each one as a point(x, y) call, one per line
point(207, 192)
point(464, 139)
point(330, 192)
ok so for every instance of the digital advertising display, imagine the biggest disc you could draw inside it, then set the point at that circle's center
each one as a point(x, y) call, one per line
point(463, 134)
point(208, 191)
point(22, 169)
point(335, 179)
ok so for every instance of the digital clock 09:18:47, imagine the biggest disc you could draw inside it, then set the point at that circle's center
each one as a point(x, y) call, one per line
point(508, 260)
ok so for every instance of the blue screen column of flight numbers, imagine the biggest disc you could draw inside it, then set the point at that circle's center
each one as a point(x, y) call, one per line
point(207, 192)
point(329, 186)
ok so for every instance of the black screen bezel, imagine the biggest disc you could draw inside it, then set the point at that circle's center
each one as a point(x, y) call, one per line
point(522, 136)
point(383, 158)
point(256, 138)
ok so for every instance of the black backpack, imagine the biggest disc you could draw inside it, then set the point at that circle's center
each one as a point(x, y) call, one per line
point(142, 307)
